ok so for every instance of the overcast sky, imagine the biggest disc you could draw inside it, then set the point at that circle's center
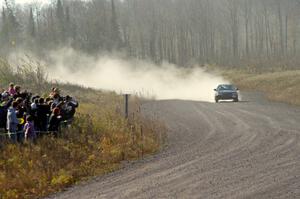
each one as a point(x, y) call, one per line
point(26, 1)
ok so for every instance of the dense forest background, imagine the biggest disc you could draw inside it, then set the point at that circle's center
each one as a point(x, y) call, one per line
point(223, 32)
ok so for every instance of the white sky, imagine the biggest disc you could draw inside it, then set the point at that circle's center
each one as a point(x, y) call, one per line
point(26, 1)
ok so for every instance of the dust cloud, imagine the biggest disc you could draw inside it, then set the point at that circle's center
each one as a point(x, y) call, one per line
point(113, 73)
point(118, 73)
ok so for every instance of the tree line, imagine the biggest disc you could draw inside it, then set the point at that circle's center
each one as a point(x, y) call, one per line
point(223, 32)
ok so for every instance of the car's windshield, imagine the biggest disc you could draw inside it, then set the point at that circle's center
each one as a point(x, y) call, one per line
point(226, 87)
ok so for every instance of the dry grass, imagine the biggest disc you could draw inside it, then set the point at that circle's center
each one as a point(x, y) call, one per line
point(96, 143)
point(281, 86)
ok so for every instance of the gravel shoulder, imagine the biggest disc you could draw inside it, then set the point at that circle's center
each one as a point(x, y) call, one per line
point(249, 149)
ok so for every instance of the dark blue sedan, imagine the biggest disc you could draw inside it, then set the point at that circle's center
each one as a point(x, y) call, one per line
point(226, 92)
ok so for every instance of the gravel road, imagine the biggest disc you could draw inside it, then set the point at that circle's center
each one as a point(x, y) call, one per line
point(249, 149)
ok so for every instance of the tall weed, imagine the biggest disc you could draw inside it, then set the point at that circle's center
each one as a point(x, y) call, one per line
point(98, 140)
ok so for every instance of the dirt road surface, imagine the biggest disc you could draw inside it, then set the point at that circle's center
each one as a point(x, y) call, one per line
point(249, 149)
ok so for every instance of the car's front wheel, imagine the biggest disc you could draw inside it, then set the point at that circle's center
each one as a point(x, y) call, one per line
point(236, 99)
point(217, 100)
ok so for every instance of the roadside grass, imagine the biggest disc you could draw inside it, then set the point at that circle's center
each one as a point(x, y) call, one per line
point(280, 86)
point(97, 142)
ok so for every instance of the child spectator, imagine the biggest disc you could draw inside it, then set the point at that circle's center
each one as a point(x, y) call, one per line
point(30, 134)
point(12, 122)
point(11, 90)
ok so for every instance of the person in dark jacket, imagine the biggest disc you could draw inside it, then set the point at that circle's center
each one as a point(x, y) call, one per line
point(55, 120)
point(21, 109)
point(21, 115)
point(43, 111)
point(55, 101)
point(70, 106)
point(33, 111)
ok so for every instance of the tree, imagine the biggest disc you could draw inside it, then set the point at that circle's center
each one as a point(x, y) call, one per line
point(4, 34)
point(234, 23)
point(11, 27)
point(230, 32)
point(31, 25)
point(115, 28)
point(60, 21)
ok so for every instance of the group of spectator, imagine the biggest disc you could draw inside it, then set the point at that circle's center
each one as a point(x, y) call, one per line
point(23, 114)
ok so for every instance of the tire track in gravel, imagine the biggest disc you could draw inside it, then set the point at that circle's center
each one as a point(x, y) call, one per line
point(228, 150)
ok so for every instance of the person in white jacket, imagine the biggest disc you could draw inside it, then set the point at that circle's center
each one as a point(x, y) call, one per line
point(12, 122)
